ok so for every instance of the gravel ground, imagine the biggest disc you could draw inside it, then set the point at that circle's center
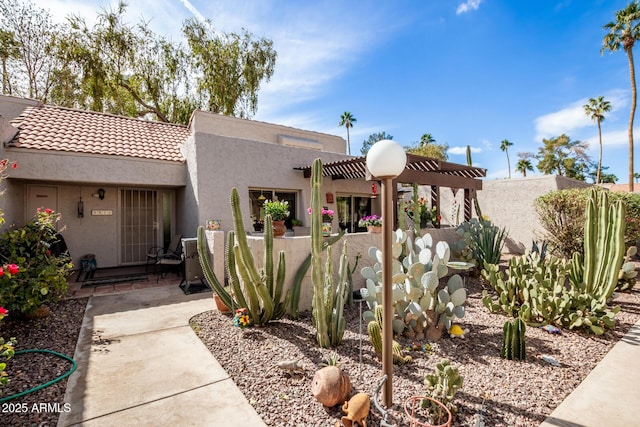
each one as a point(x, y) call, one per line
point(509, 393)
point(58, 332)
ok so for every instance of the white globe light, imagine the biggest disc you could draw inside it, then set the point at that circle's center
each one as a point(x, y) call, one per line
point(386, 159)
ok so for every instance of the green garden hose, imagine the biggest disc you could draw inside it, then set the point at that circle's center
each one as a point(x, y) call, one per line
point(47, 384)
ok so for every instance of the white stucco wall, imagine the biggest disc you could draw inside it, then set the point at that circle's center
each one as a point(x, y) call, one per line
point(298, 248)
point(233, 127)
point(219, 163)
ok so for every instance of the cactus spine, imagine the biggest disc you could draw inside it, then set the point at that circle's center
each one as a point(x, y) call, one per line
point(328, 305)
point(374, 328)
point(513, 340)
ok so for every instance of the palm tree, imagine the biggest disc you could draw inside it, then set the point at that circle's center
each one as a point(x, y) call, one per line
point(504, 146)
point(636, 175)
point(347, 120)
point(596, 109)
point(523, 166)
point(623, 33)
point(426, 139)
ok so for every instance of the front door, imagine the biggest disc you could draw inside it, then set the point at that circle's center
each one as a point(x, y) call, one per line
point(138, 224)
point(45, 197)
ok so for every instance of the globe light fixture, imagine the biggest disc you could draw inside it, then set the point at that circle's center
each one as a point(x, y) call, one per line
point(386, 160)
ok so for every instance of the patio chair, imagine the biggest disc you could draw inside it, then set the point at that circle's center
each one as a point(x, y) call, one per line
point(172, 252)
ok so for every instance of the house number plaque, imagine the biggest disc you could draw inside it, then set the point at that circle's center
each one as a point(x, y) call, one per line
point(101, 212)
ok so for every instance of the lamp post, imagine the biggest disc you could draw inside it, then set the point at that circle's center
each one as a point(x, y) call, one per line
point(386, 160)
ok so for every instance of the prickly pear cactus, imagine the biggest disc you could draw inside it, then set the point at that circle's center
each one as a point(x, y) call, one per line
point(418, 305)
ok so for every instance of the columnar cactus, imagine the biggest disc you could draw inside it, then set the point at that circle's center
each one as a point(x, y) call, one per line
point(327, 304)
point(253, 289)
point(604, 247)
point(513, 340)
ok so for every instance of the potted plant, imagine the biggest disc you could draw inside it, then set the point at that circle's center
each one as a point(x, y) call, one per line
point(327, 219)
point(372, 222)
point(279, 211)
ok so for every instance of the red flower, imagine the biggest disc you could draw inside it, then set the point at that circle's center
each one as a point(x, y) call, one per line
point(3, 311)
point(13, 269)
point(1, 271)
point(47, 210)
point(14, 165)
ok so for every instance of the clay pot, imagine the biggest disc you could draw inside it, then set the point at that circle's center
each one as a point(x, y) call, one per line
point(222, 308)
point(279, 228)
point(331, 386)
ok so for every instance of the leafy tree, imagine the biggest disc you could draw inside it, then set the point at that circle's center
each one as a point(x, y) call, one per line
point(31, 31)
point(504, 146)
point(595, 109)
point(127, 69)
point(228, 68)
point(636, 175)
point(564, 157)
point(523, 166)
point(373, 138)
point(605, 178)
point(623, 33)
point(347, 120)
point(427, 147)
point(9, 50)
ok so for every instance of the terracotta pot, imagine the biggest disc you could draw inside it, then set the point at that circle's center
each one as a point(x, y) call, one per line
point(279, 229)
point(331, 386)
point(374, 229)
point(222, 308)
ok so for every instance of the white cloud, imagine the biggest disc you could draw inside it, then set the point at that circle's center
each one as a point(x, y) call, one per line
point(463, 150)
point(468, 6)
point(573, 117)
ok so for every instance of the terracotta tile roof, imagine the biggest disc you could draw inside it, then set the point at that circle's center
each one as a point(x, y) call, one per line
point(47, 127)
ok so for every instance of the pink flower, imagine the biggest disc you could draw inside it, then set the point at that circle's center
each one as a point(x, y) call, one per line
point(1, 271)
point(13, 269)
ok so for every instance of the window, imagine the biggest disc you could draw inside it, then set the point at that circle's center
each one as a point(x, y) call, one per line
point(350, 209)
point(259, 195)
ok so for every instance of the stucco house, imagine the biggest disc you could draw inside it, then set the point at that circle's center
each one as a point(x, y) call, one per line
point(124, 185)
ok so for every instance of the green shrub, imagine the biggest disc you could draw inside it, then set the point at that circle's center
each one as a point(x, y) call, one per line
point(34, 275)
point(561, 214)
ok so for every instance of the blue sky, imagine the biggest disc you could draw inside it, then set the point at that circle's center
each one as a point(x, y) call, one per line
point(467, 71)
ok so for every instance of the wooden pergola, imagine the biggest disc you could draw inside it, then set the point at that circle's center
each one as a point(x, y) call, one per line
point(419, 170)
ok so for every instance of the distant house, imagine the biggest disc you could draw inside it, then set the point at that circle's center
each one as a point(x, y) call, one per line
point(124, 185)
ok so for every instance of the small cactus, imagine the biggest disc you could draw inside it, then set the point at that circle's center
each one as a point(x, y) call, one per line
point(375, 335)
point(442, 385)
point(513, 341)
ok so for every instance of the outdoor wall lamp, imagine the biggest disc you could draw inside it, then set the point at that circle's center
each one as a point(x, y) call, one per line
point(386, 160)
point(101, 193)
point(80, 208)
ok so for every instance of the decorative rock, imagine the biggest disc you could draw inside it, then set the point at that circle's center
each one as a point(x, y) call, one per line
point(331, 386)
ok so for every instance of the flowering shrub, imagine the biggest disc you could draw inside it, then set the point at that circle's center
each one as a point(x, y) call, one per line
point(6, 352)
point(370, 221)
point(327, 214)
point(35, 274)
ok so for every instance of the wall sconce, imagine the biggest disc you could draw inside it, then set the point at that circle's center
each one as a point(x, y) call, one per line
point(101, 193)
point(80, 208)
point(374, 190)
